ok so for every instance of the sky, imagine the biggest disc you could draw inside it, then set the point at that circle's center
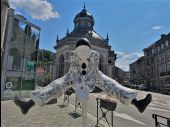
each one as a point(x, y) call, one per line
point(132, 25)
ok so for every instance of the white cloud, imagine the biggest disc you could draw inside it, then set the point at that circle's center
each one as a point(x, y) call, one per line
point(124, 59)
point(156, 27)
point(37, 9)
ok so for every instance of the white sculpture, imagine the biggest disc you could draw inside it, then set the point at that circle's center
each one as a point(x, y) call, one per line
point(83, 76)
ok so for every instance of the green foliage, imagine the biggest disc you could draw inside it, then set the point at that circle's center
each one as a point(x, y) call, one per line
point(45, 55)
point(45, 58)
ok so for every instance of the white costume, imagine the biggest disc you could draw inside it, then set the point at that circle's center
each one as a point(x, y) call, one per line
point(83, 81)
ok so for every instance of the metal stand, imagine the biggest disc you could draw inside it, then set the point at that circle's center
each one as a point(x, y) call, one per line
point(84, 112)
point(67, 94)
point(158, 124)
point(109, 106)
point(77, 104)
point(75, 114)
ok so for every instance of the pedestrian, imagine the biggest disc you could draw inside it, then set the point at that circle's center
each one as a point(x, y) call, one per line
point(83, 76)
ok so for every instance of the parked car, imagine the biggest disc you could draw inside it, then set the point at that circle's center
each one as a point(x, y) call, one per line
point(127, 85)
point(143, 87)
point(134, 86)
point(138, 87)
point(166, 89)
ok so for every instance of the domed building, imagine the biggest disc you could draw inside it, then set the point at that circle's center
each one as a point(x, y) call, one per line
point(83, 27)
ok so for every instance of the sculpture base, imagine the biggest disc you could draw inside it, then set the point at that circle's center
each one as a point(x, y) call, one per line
point(74, 115)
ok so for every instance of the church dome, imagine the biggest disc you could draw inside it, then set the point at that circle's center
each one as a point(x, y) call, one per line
point(83, 28)
point(83, 13)
point(84, 20)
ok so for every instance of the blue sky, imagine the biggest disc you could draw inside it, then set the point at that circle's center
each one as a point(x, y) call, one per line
point(132, 25)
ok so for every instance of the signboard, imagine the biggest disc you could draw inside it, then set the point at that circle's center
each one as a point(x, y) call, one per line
point(30, 66)
point(40, 70)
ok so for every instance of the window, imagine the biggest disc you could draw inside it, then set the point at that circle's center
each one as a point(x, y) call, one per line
point(162, 46)
point(158, 48)
point(168, 68)
point(160, 58)
point(163, 57)
point(163, 67)
point(168, 56)
point(109, 61)
point(153, 71)
point(148, 72)
point(77, 24)
point(152, 60)
point(89, 24)
point(166, 43)
point(152, 50)
point(15, 58)
point(82, 23)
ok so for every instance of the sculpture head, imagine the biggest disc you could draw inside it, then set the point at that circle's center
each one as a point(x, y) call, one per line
point(83, 49)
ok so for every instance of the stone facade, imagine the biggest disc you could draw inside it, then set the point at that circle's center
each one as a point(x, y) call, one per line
point(120, 75)
point(138, 74)
point(83, 28)
point(154, 67)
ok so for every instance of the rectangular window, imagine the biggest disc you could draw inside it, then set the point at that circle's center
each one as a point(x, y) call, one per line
point(15, 57)
point(166, 43)
point(168, 68)
point(153, 51)
point(162, 45)
point(158, 48)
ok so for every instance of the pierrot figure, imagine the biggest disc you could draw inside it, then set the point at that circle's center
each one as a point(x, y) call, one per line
point(83, 76)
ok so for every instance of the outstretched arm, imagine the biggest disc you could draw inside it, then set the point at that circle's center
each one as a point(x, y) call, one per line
point(52, 91)
point(112, 87)
point(57, 87)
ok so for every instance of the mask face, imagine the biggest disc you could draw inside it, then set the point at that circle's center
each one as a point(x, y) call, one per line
point(83, 52)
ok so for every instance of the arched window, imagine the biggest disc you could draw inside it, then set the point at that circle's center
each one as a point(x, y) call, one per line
point(101, 63)
point(89, 24)
point(162, 46)
point(61, 66)
point(166, 43)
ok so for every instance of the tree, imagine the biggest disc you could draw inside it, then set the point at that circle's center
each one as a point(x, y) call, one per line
point(45, 55)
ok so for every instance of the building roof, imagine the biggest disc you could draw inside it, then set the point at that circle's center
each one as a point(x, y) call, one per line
point(83, 13)
point(158, 42)
point(75, 35)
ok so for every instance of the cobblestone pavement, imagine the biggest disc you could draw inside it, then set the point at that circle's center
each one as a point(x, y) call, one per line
point(46, 116)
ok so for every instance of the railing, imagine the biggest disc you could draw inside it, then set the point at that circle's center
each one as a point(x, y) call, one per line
point(157, 123)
